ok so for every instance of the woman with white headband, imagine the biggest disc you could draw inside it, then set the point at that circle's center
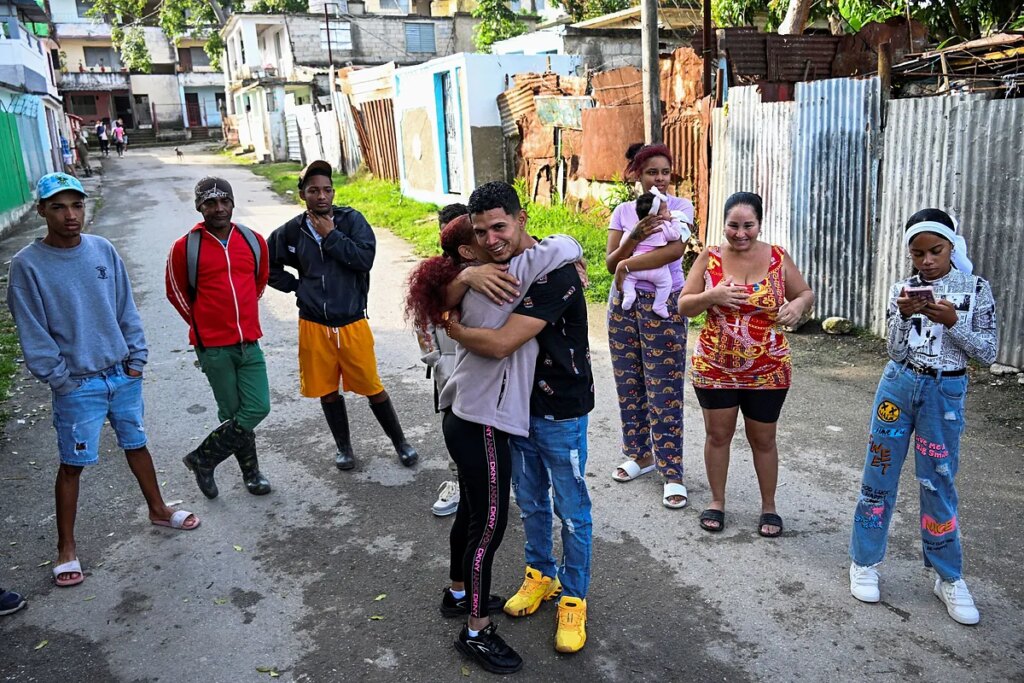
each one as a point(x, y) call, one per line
point(937, 319)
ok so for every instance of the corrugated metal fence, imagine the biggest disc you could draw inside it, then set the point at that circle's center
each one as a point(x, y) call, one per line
point(962, 154)
point(814, 161)
point(832, 202)
point(14, 188)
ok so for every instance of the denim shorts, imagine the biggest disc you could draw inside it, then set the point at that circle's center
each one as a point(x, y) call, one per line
point(78, 417)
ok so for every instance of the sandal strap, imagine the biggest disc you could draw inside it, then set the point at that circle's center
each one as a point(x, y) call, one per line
point(713, 515)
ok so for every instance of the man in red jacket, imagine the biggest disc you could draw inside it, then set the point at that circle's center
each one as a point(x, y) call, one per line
point(216, 274)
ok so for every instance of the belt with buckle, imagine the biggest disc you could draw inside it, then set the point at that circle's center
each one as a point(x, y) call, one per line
point(932, 372)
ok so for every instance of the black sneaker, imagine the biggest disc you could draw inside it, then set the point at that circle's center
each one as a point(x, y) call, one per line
point(10, 602)
point(459, 607)
point(489, 650)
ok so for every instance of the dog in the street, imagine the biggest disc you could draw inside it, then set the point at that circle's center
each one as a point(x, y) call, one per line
point(180, 154)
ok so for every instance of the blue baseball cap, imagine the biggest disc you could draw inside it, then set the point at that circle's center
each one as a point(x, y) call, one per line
point(52, 183)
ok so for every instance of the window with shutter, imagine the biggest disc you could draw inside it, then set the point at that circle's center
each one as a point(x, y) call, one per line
point(419, 38)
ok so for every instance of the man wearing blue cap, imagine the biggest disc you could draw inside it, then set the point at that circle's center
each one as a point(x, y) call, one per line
point(81, 334)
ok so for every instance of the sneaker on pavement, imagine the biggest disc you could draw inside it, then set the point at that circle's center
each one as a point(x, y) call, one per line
point(864, 583)
point(10, 602)
point(571, 634)
point(958, 600)
point(489, 650)
point(452, 606)
point(447, 502)
point(536, 588)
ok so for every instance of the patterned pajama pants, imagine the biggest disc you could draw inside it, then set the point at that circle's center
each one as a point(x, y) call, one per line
point(649, 361)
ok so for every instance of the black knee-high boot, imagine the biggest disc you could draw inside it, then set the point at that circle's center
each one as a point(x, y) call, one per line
point(215, 449)
point(385, 414)
point(249, 463)
point(337, 420)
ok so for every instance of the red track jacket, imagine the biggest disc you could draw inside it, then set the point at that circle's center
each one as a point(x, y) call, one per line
point(225, 310)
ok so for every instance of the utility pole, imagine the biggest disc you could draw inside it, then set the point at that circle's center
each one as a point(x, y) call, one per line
point(651, 71)
point(330, 54)
point(706, 52)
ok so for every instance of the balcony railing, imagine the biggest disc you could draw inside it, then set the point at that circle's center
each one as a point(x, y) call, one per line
point(94, 81)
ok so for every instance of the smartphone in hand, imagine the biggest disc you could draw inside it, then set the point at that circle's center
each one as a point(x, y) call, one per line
point(926, 294)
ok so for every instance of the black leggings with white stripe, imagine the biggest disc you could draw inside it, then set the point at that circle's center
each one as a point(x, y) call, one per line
point(485, 475)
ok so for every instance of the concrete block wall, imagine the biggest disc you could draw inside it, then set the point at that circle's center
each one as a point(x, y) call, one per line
point(376, 39)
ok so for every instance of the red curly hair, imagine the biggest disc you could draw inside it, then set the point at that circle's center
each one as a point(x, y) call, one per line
point(639, 154)
point(424, 304)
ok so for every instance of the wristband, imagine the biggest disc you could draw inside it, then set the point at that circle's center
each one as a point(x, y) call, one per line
point(626, 266)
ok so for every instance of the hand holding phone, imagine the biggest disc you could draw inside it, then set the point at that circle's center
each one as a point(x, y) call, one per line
point(925, 294)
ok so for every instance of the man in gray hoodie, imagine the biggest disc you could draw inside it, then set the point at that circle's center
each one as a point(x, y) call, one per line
point(81, 334)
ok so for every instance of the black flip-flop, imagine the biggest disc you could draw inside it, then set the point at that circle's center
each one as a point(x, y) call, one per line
point(710, 515)
point(769, 519)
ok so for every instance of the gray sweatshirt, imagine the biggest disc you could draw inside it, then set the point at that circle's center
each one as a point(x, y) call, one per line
point(74, 311)
point(493, 392)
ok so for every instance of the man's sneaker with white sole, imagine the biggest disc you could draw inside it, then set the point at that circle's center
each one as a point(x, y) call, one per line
point(958, 601)
point(864, 583)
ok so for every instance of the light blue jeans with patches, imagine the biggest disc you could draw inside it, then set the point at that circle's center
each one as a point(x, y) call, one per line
point(554, 460)
point(926, 413)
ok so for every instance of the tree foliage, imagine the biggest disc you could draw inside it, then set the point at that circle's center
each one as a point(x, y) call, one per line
point(588, 9)
point(965, 19)
point(497, 22)
point(197, 19)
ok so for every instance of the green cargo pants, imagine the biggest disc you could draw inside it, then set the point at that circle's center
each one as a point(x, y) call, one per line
point(238, 377)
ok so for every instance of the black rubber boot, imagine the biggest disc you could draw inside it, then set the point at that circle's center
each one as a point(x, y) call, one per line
point(385, 414)
point(250, 466)
point(215, 449)
point(337, 420)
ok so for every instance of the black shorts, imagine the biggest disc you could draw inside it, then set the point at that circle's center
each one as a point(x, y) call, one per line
point(761, 405)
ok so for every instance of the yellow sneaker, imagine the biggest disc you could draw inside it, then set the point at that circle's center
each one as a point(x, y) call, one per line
point(536, 588)
point(571, 634)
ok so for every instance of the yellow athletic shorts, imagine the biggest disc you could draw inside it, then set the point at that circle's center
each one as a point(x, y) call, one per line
point(333, 356)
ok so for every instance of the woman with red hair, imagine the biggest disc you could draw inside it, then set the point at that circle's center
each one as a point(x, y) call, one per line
point(648, 352)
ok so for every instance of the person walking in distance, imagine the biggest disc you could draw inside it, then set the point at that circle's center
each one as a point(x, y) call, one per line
point(216, 274)
point(332, 248)
point(103, 135)
point(81, 334)
point(439, 355)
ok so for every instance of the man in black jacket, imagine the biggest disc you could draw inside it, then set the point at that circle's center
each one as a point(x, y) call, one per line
point(332, 248)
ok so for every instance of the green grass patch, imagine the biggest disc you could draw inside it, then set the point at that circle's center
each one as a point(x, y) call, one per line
point(9, 350)
point(384, 206)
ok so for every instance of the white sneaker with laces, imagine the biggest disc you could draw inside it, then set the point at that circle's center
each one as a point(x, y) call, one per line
point(864, 583)
point(447, 502)
point(958, 600)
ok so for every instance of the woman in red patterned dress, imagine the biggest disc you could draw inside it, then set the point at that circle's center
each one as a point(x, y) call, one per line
point(741, 361)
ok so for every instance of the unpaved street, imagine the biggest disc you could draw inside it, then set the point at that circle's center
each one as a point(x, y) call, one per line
point(289, 581)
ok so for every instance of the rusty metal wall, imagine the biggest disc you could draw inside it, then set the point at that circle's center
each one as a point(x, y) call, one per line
point(963, 155)
point(686, 135)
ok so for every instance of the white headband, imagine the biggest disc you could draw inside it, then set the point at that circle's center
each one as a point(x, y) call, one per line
point(959, 256)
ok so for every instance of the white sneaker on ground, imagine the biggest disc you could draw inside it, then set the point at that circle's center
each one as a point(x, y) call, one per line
point(958, 600)
point(447, 502)
point(864, 583)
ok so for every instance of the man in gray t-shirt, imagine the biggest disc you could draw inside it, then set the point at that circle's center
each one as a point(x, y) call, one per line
point(81, 335)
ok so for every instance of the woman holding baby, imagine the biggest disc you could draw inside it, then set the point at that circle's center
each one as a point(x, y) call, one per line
point(646, 333)
point(741, 361)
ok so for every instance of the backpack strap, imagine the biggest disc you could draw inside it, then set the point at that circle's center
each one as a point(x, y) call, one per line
point(253, 242)
point(192, 244)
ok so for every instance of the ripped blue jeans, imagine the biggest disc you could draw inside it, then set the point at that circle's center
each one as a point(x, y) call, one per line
point(927, 413)
point(554, 459)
